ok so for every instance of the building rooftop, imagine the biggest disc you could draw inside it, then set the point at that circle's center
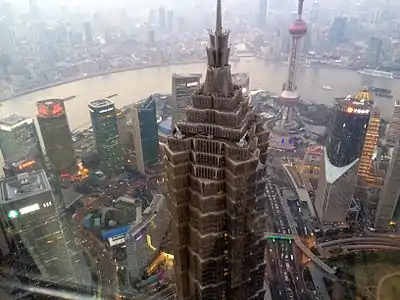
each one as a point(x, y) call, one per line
point(165, 126)
point(127, 203)
point(360, 100)
point(187, 76)
point(364, 95)
point(397, 103)
point(146, 103)
point(24, 185)
point(315, 149)
point(100, 103)
point(156, 206)
point(13, 120)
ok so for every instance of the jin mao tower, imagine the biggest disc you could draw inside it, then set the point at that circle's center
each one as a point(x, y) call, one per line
point(216, 180)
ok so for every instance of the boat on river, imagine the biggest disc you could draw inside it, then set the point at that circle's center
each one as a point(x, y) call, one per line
point(327, 88)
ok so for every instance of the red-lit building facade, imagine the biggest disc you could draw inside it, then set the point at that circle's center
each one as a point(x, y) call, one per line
point(56, 134)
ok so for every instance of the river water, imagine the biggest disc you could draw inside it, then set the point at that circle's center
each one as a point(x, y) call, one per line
point(135, 85)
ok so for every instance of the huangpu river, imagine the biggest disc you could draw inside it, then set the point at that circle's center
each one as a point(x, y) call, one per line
point(132, 86)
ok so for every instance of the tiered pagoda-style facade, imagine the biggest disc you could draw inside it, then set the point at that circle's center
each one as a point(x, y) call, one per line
point(216, 169)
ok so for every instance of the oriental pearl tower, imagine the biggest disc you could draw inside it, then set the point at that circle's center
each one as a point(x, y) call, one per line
point(290, 96)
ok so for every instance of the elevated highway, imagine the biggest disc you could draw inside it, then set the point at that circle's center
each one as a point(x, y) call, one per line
point(362, 241)
point(299, 243)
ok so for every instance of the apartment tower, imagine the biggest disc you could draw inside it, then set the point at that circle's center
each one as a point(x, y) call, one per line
point(216, 179)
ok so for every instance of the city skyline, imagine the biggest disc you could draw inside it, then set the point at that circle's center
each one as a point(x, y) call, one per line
point(199, 177)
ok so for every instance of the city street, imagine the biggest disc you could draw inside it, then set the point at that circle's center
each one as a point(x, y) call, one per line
point(285, 279)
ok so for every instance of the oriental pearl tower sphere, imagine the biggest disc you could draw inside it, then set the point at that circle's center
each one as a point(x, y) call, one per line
point(290, 96)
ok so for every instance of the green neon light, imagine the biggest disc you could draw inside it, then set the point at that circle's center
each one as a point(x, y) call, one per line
point(12, 214)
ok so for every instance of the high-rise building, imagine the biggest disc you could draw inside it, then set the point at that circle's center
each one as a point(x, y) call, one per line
point(151, 37)
point(262, 18)
point(19, 144)
point(334, 197)
point(374, 50)
point(162, 18)
point(56, 135)
point(314, 12)
point(34, 216)
point(390, 192)
point(125, 129)
point(216, 162)
point(290, 96)
point(108, 144)
point(337, 33)
point(88, 31)
point(34, 9)
point(394, 51)
point(365, 166)
point(145, 133)
point(393, 130)
point(145, 239)
point(183, 86)
point(170, 19)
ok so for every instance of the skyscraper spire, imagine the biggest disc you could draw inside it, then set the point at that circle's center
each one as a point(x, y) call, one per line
point(218, 78)
point(300, 9)
point(218, 31)
point(218, 25)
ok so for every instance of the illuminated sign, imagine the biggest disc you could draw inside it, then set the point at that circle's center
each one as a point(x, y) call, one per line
point(116, 240)
point(12, 214)
point(28, 209)
point(353, 110)
point(47, 204)
point(26, 164)
point(191, 84)
point(51, 109)
point(106, 110)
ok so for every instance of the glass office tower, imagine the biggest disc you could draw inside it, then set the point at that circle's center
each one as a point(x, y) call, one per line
point(33, 214)
point(108, 144)
point(19, 144)
point(145, 132)
point(334, 197)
